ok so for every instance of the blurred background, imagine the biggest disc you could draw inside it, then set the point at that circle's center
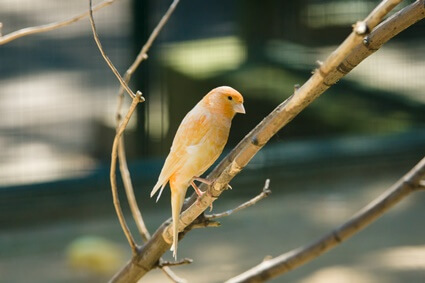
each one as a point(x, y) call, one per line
point(58, 102)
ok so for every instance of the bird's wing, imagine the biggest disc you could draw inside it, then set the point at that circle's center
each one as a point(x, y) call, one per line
point(192, 130)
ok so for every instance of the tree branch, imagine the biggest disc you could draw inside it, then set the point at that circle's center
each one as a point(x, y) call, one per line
point(265, 192)
point(144, 51)
point(143, 54)
point(49, 27)
point(238, 158)
point(108, 61)
point(204, 224)
point(360, 29)
point(277, 266)
point(136, 100)
point(129, 191)
point(184, 261)
point(121, 149)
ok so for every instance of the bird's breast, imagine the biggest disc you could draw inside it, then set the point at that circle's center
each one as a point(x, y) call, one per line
point(202, 155)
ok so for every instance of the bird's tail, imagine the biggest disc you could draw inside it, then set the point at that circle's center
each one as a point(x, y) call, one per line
point(177, 199)
point(160, 184)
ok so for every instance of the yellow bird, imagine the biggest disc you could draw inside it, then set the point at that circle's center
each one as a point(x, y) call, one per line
point(198, 142)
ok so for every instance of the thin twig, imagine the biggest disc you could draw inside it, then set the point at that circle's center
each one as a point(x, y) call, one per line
point(264, 193)
point(108, 61)
point(144, 51)
point(51, 26)
point(129, 191)
point(288, 261)
point(136, 100)
point(143, 54)
point(204, 224)
point(184, 261)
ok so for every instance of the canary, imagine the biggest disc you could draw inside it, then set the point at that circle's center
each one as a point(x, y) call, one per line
point(198, 142)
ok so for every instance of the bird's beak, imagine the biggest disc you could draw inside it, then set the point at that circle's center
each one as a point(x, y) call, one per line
point(239, 108)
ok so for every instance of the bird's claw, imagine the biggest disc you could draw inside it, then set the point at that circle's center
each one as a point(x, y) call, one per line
point(198, 191)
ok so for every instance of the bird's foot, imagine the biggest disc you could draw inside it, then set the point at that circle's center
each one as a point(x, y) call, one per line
point(202, 180)
point(199, 192)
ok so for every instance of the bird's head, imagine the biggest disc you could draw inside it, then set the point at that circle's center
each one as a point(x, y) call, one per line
point(224, 100)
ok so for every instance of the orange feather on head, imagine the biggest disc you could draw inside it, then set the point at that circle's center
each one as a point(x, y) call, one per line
point(198, 143)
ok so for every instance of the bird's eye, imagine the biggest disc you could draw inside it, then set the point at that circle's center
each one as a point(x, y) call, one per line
point(229, 98)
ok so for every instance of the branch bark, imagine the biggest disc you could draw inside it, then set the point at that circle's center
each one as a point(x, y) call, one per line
point(277, 266)
point(129, 191)
point(330, 72)
point(49, 27)
point(113, 178)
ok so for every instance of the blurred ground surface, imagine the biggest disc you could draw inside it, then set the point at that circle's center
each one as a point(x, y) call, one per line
point(298, 211)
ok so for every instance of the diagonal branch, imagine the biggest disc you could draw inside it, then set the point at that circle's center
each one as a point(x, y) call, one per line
point(143, 54)
point(108, 61)
point(49, 27)
point(265, 192)
point(149, 254)
point(288, 261)
point(360, 29)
